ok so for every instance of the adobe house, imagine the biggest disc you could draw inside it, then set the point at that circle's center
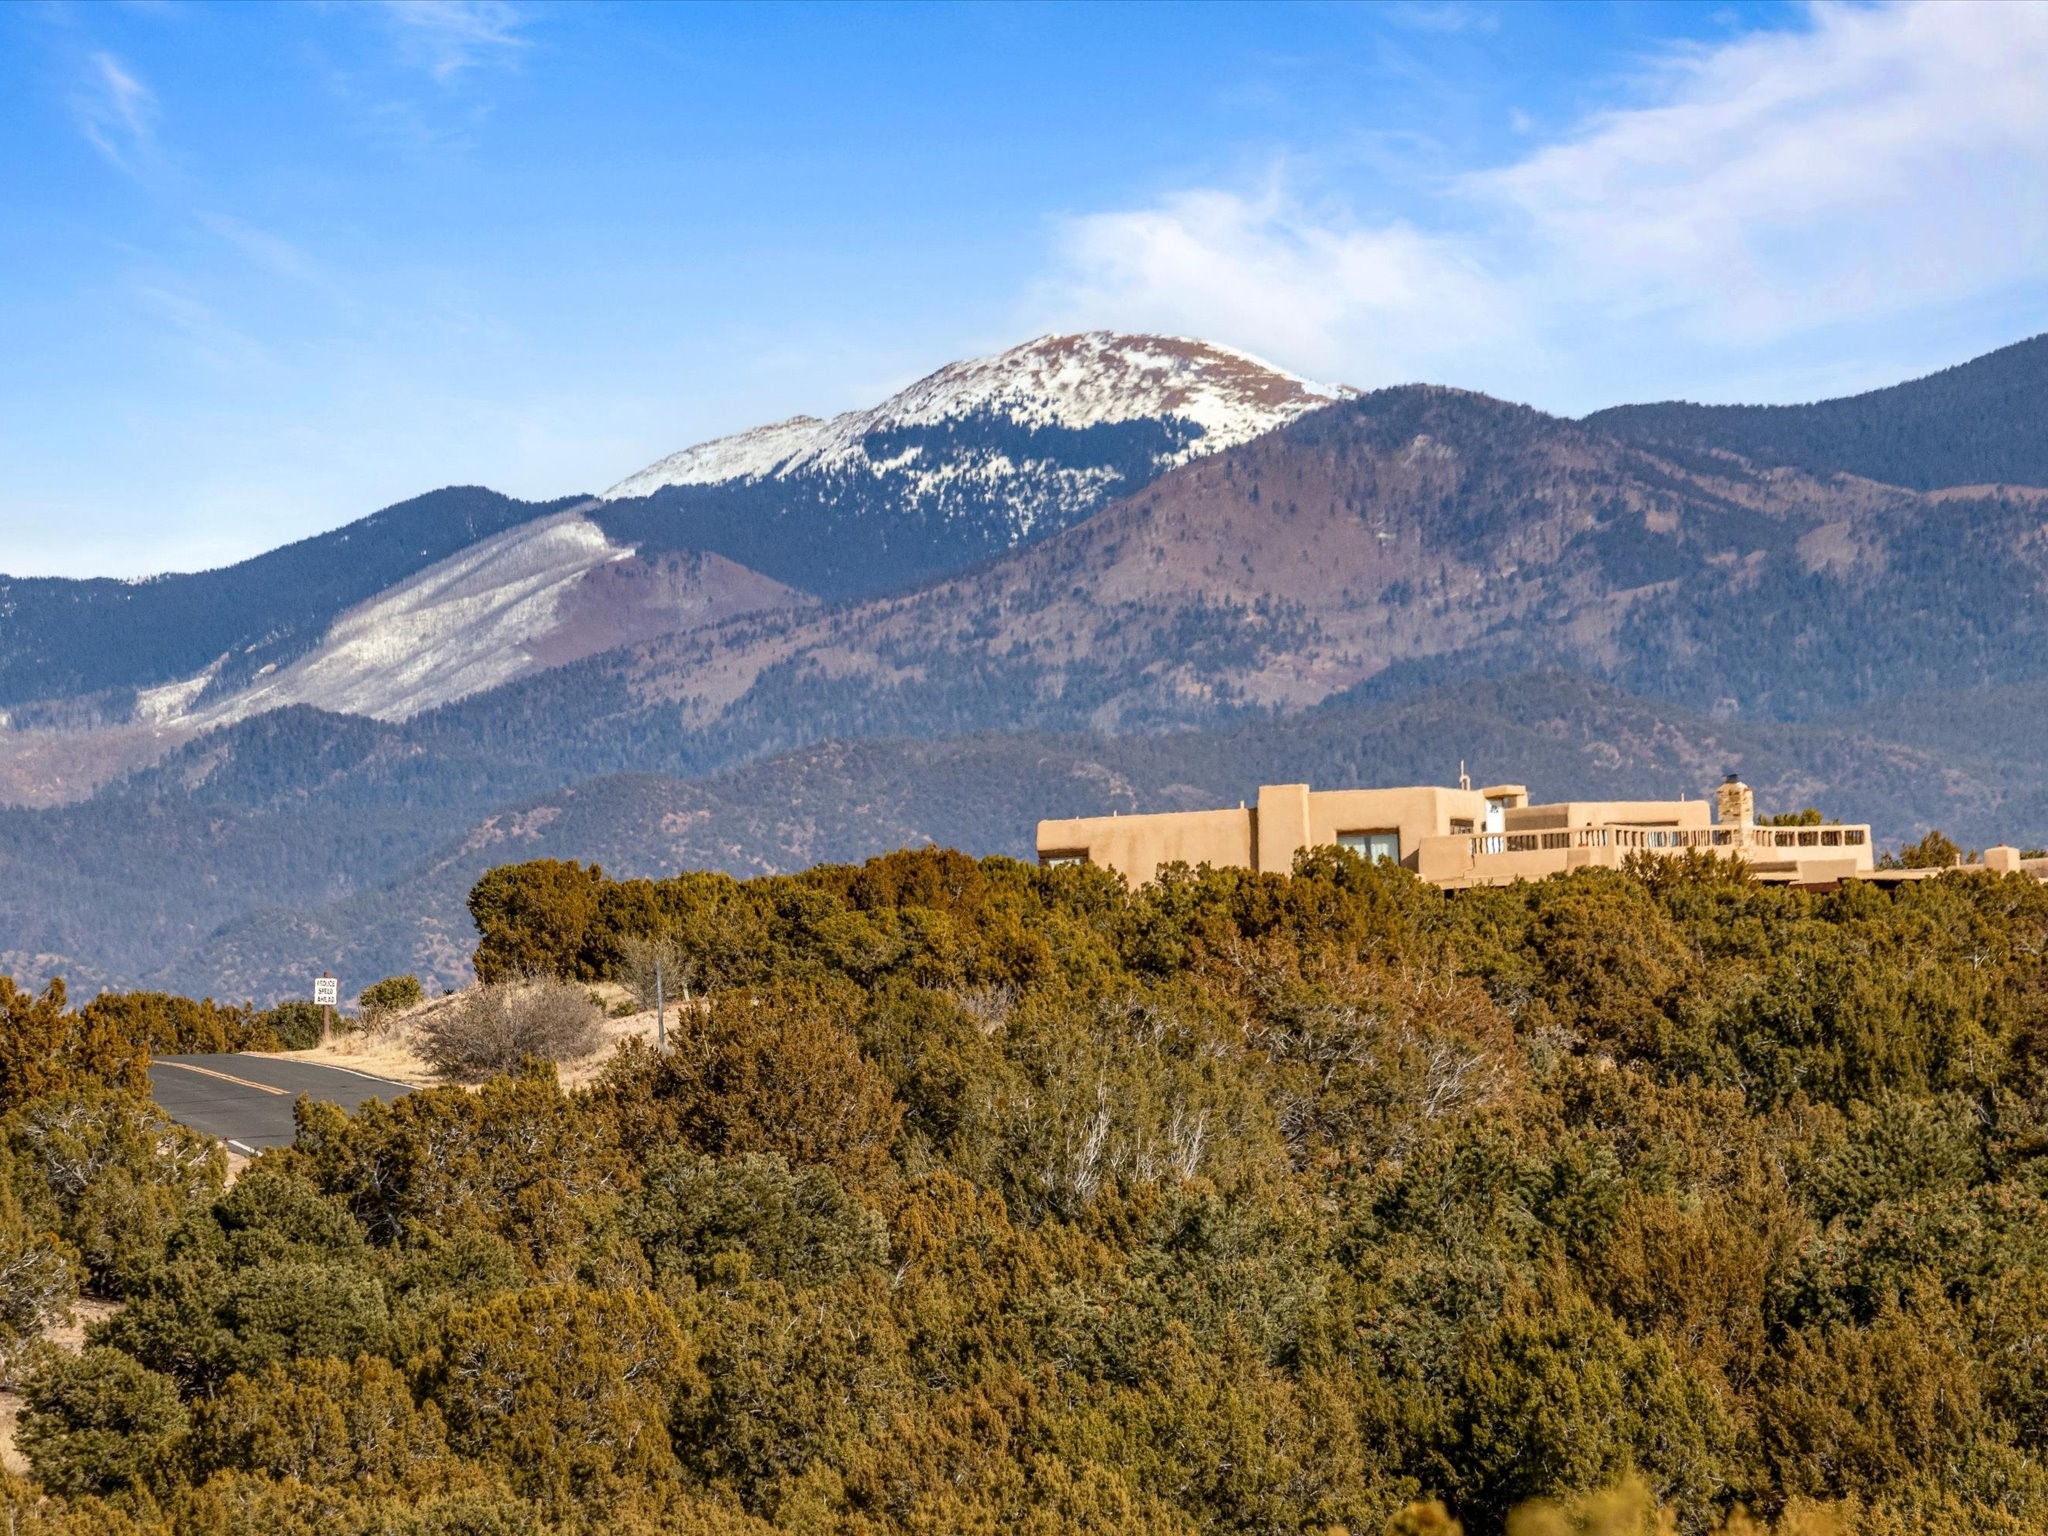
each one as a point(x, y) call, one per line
point(1461, 837)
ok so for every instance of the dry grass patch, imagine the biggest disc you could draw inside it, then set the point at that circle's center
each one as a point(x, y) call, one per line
point(392, 1046)
point(494, 1028)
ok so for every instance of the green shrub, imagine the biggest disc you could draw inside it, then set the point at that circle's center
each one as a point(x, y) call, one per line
point(697, 1215)
point(394, 994)
point(971, 1196)
point(171, 1025)
point(47, 1048)
point(296, 1024)
point(110, 1174)
point(36, 1278)
point(97, 1422)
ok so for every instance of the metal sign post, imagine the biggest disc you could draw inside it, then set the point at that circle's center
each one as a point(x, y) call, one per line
point(660, 1012)
point(326, 993)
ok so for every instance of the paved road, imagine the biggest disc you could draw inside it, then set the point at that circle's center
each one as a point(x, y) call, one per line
point(247, 1101)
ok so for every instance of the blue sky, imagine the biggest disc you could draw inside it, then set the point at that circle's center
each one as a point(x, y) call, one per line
point(264, 270)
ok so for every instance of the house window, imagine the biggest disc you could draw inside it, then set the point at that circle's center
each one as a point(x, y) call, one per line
point(1461, 826)
point(1062, 858)
point(1372, 846)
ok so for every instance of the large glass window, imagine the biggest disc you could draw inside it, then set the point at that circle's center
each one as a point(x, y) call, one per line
point(1372, 846)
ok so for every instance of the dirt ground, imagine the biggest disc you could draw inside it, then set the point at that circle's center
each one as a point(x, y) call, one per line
point(389, 1049)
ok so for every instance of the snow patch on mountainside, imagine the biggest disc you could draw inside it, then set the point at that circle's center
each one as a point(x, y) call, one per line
point(456, 628)
point(157, 706)
point(1068, 381)
point(742, 456)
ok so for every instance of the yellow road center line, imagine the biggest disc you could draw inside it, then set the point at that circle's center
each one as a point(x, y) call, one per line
point(239, 1082)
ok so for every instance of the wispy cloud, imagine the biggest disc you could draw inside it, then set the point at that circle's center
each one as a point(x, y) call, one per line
point(204, 336)
point(1879, 159)
point(446, 37)
point(116, 112)
point(1876, 161)
point(1299, 282)
point(274, 253)
point(1441, 16)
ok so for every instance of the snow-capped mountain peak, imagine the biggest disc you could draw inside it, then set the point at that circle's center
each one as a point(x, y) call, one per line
point(1098, 378)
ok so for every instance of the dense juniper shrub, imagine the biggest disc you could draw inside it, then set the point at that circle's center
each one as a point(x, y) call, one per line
point(973, 1196)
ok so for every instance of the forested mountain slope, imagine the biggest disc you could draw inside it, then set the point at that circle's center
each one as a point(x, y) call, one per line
point(1984, 422)
point(463, 590)
point(62, 639)
point(339, 843)
point(548, 592)
point(1415, 527)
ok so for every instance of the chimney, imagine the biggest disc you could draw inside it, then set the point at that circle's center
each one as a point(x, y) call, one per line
point(1735, 806)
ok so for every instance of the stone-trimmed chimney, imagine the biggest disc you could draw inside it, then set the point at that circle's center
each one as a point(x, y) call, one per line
point(1734, 805)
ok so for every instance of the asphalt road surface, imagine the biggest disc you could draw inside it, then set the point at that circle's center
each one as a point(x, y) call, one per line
point(247, 1101)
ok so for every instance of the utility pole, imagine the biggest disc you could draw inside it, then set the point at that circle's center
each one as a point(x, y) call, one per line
point(660, 1010)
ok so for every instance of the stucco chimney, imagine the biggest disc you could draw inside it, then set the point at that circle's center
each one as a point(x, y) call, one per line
point(1734, 805)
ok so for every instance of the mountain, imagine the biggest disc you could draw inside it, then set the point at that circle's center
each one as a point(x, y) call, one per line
point(974, 460)
point(1417, 555)
point(1981, 423)
point(1239, 618)
point(536, 596)
point(82, 649)
point(463, 590)
point(333, 842)
point(1418, 529)
point(547, 590)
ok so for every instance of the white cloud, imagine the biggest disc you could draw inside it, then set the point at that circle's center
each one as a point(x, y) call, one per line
point(446, 37)
point(1878, 162)
point(116, 112)
point(1372, 304)
point(1881, 159)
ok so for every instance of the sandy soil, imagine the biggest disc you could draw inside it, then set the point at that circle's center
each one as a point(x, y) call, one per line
point(390, 1048)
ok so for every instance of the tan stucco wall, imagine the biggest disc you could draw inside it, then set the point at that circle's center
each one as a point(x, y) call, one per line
point(1282, 825)
point(1450, 861)
point(1606, 813)
point(1415, 813)
point(1289, 818)
point(1861, 855)
point(1137, 845)
point(1457, 861)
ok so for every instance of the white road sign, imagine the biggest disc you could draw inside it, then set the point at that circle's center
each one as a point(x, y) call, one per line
point(326, 991)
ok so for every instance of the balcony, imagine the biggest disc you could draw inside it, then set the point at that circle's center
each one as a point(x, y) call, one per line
point(1743, 840)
